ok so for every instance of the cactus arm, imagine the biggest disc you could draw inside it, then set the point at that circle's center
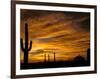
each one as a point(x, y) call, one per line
point(22, 47)
point(30, 46)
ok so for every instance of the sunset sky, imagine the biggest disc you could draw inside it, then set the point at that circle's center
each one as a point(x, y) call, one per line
point(65, 33)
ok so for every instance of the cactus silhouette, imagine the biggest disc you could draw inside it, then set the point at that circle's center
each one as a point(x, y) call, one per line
point(45, 58)
point(54, 57)
point(48, 57)
point(25, 47)
point(88, 56)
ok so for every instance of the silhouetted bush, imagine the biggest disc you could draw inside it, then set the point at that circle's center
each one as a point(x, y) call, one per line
point(79, 60)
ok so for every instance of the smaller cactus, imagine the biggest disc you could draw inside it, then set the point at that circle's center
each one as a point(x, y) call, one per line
point(45, 57)
point(54, 57)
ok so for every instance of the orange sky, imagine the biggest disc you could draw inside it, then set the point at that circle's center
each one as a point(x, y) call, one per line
point(65, 33)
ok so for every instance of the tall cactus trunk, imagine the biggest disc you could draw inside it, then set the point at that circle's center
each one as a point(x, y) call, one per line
point(26, 44)
point(26, 57)
point(25, 47)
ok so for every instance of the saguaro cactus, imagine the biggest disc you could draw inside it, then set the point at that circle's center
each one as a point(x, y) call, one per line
point(45, 58)
point(54, 57)
point(25, 47)
point(48, 57)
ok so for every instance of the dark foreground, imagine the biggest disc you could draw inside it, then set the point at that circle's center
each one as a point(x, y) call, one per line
point(75, 63)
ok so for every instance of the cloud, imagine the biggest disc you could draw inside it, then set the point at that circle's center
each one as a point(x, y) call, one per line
point(67, 32)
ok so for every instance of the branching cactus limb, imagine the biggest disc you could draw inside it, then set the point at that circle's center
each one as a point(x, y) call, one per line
point(25, 47)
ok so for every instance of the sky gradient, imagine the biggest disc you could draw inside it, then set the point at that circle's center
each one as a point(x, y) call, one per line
point(65, 33)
